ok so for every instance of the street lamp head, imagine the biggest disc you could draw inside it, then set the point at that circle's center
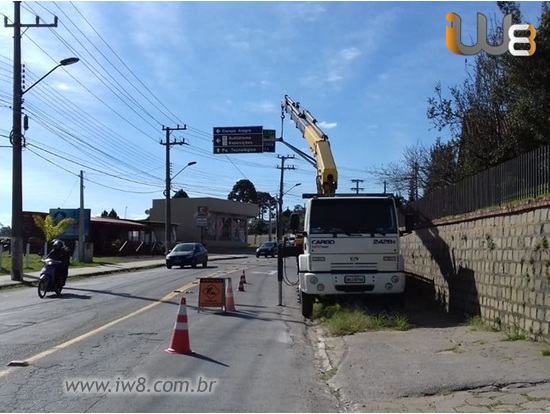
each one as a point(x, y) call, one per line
point(64, 62)
point(188, 165)
point(69, 61)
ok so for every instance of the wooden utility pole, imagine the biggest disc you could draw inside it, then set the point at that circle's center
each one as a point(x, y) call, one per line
point(17, 143)
point(357, 188)
point(167, 190)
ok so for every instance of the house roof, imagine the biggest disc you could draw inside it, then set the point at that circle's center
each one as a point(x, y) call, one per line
point(120, 222)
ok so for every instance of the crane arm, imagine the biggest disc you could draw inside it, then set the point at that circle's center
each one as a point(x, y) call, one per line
point(327, 174)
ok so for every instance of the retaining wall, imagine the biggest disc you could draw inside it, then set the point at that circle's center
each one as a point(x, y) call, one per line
point(493, 264)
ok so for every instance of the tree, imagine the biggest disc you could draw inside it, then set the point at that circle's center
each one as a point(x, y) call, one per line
point(442, 168)
point(112, 214)
point(243, 191)
point(527, 81)
point(501, 110)
point(266, 202)
point(180, 194)
point(407, 176)
point(51, 230)
point(5, 231)
point(258, 226)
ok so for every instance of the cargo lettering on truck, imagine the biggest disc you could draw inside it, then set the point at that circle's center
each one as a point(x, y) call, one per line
point(321, 241)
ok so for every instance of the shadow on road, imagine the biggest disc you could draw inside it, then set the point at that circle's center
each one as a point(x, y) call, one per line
point(121, 294)
point(208, 359)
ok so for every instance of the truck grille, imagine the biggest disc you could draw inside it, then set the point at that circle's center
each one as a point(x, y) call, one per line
point(354, 289)
point(365, 267)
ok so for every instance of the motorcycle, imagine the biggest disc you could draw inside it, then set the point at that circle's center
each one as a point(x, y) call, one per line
point(48, 282)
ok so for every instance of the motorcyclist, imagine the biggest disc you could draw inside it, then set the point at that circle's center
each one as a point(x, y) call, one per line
point(60, 253)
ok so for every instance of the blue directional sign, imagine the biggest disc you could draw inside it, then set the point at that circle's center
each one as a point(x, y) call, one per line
point(269, 140)
point(238, 140)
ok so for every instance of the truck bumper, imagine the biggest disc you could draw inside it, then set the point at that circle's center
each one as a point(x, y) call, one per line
point(341, 284)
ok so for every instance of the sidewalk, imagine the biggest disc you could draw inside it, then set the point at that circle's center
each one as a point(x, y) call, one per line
point(138, 264)
point(437, 366)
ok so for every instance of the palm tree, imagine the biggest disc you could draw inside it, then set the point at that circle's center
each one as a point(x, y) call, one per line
point(51, 230)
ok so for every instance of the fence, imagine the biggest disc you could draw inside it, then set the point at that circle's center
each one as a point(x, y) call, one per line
point(524, 177)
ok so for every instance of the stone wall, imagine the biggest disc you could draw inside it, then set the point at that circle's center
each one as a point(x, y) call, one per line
point(494, 264)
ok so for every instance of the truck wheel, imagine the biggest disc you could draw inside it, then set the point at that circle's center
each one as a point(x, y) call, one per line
point(306, 301)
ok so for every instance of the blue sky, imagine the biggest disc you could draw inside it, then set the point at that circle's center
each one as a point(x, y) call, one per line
point(364, 69)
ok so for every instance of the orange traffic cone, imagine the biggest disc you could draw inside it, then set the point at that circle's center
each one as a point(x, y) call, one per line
point(243, 277)
point(180, 337)
point(229, 301)
point(241, 285)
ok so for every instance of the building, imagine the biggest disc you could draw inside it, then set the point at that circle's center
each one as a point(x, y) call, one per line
point(218, 224)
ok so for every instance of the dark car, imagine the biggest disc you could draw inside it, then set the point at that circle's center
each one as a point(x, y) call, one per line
point(190, 254)
point(267, 249)
point(6, 243)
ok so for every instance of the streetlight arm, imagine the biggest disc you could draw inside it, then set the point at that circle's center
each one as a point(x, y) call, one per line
point(294, 186)
point(38, 81)
point(188, 165)
point(64, 62)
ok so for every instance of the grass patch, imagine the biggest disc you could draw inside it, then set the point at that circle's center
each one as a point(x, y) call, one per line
point(478, 324)
point(35, 264)
point(515, 336)
point(545, 352)
point(326, 376)
point(338, 320)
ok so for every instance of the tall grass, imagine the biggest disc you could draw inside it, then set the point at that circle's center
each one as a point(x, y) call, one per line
point(339, 320)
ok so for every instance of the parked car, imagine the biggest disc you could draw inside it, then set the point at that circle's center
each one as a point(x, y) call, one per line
point(190, 254)
point(6, 243)
point(267, 249)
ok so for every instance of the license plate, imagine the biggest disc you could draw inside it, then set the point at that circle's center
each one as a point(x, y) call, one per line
point(354, 279)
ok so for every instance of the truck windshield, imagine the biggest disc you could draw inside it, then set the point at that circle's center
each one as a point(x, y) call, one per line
point(353, 216)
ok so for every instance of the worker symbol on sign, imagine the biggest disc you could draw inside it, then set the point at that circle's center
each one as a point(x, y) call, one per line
point(211, 291)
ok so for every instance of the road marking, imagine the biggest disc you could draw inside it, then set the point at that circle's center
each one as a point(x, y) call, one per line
point(73, 341)
point(265, 273)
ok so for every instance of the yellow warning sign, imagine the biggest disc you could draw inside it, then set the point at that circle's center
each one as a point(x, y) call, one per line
point(212, 293)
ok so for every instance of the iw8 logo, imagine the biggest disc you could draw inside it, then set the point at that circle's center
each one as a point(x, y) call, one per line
point(509, 38)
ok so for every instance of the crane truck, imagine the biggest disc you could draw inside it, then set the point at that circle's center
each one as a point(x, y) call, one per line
point(349, 244)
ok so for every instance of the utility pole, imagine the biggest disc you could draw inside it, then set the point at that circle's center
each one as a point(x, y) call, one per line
point(357, 188)
point(81, 242)
point(280, 224)
point(167, 191)
point(17, 144)
point(280, 200)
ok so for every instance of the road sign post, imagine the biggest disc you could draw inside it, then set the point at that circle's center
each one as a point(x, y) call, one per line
point(269, 140)
point(238, 140)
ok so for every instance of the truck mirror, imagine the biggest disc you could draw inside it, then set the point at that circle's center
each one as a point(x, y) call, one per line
point(294, 222)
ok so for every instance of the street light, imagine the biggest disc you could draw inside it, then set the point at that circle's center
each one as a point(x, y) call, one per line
point(280, 212)
point(188, 164)
point(168, 206)
point(17, 170)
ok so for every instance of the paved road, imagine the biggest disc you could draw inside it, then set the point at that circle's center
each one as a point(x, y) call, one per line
point(116, 328)
point(438, 366)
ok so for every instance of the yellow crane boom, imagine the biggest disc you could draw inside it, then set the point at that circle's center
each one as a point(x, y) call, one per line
point(327, 175)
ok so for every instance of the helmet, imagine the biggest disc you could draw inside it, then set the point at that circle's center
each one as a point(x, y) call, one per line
point(58, 244)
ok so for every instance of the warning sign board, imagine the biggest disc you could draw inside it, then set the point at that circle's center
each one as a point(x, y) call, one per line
point(212, 293)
